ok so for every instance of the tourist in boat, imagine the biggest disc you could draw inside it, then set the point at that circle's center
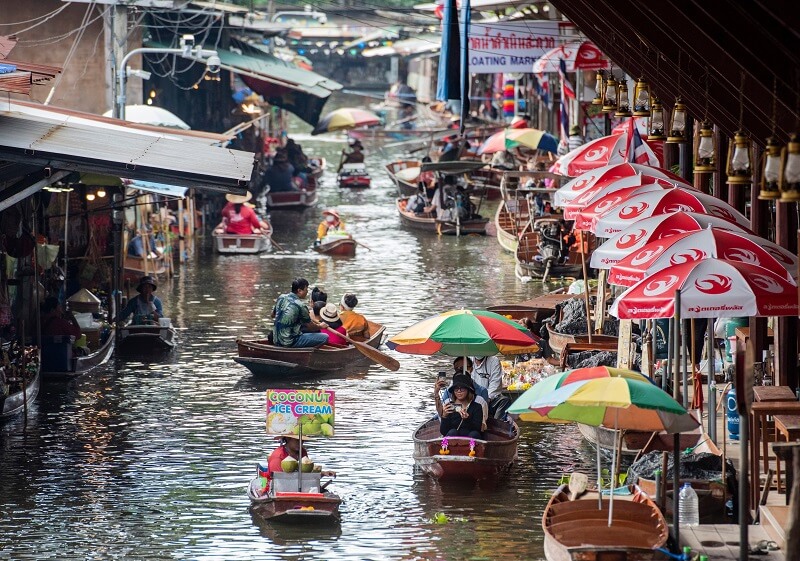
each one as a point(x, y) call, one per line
point(462, 416)
point(279, 176)
point(416, 203)
point(296, 157)
point(481, 393)
point(289, 447)
point(239, 218)
point(56, 322)
point(335, 329)
point(487, 372)
point(451, 149)
point(291, 316)
point(356, 325)
point(145, 307)
point(331, 223)
point(354, 156)
point(318, 295)
point(442, 201)
point(316, 308)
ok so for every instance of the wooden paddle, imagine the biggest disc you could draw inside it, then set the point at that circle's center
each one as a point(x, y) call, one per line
point(374, 355)
point(361, 244)
point(577, 484)
point(276, 244)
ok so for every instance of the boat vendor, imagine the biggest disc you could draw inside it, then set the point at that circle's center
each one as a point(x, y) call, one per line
point(289, 447)
point(331, 223)
point(443, 202)
point(279, 176)
point(354, 156)
point(145, 307)
point(462, 416)
point(356, 325)
point(291, 316)
point(239, 218)
point(56, 322)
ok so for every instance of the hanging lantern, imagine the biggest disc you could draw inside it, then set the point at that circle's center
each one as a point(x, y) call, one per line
point(641, 98)
point(790, 178)
point(677, 126)
point(610, 99)
point(705, 150)
point(740, 160)
point(598, 89)
point(623, 101)
point(657, 120)
point(770, 187)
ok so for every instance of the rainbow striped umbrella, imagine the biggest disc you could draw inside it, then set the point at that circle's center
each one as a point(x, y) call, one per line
point(513, 138)
point(463, 333)
point(346, 118)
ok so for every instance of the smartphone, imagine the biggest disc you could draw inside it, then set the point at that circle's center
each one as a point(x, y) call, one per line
point(442, 375)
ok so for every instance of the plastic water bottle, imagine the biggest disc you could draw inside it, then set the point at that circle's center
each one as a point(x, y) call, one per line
point(687, 506)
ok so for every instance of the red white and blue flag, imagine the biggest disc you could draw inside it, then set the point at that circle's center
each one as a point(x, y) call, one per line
point(567, 92)
point(543, 90)
point(637, 149)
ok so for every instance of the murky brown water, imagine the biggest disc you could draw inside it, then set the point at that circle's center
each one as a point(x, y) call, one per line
point(151, 461)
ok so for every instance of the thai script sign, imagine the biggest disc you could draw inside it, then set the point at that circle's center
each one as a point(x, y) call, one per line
point(510, 46)
point(293, 411)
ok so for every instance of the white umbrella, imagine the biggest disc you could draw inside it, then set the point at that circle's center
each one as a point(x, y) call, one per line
point(151, 115)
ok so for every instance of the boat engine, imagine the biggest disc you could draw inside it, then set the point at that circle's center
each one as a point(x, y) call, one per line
point(550, 244)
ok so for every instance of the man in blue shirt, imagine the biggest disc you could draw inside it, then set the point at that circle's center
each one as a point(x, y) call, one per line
point(146, 307)
point(291, 316)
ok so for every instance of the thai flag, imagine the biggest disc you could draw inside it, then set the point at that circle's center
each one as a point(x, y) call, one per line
point(543, 90)
point(637, 149)
point(567, 91)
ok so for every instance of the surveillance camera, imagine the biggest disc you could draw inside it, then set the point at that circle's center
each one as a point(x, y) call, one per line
point(187, 40)
point(213, 64)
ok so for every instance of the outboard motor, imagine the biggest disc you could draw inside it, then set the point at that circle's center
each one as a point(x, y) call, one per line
point(549, 245)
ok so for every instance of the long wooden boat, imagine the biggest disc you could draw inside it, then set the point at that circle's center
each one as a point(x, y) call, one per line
point(511, 220)
point(262, 358)
point(406, 184)
point(354, 176)
point(15, 402)
point(427, 221)
point(634, 442)
point(77, 365)
point(565, 342)
point(135, 267)
point(294, 508)
point(339, 246)
point(236, 244)
point(578, 530)
point(535, 259)
point(287, 200)
point(493, 455)
point(145, 339)
point(537, 309)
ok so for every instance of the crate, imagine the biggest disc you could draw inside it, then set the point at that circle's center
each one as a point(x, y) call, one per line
point(287, 482)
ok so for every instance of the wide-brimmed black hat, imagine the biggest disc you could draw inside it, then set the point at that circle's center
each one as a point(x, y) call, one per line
point(147, 279)
point(461, 381)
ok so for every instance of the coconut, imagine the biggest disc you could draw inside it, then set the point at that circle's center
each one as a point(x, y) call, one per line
point(306, 465)
point(289, 465)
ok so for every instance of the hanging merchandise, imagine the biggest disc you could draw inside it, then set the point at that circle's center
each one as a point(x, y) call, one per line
point(508, 98)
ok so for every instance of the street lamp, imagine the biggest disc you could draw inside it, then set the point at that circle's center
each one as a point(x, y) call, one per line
point(186, 50)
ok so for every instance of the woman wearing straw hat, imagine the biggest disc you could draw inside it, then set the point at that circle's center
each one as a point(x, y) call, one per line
point(239, 218)
point(146, 307)
point(331, 223)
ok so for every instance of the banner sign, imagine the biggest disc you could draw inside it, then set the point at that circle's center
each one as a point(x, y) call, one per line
point(290, 411)
point(510, 46)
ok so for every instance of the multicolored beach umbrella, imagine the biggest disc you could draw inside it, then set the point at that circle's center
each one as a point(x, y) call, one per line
point(464, 333)
point(513, 138)
point(346, 118)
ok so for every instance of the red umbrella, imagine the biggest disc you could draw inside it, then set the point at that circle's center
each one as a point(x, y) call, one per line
point(710, 288)
point(606, 150)
point(703, 244)
point(576, 56)
point(663, 201)
point(604, 175)
point(660, 226)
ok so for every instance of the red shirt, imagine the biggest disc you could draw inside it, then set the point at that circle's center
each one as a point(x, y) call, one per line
point(54, 325)
point(243, 222)
point(333, 335)
point(278, 455)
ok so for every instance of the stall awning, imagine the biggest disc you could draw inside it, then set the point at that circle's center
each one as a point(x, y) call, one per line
point(157, 188)
point(429, 43)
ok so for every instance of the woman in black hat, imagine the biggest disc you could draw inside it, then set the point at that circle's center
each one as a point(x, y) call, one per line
point(462, 416)
point(146, 307)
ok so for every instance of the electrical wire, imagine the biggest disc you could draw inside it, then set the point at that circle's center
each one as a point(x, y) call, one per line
point(70, 53)
point(44, 17)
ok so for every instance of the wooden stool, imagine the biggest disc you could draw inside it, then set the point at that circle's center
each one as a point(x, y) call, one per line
point(788, 427)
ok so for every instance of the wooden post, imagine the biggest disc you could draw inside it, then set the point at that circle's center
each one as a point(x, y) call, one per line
point(181, 234)
point(793, 524)
point(600, 307)
point(586, 287)
point(624, 344)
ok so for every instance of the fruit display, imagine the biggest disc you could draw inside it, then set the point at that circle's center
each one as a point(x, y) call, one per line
point(289, 465)
point(316, 425)
point(306, 465)
point(519, 376)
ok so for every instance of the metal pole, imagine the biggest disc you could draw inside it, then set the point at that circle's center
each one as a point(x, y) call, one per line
point(676, 363)
point(712, 384)
point(670, 350)
point(676, 482)
point(66, 243)
point(685, 374)
point(744, 501)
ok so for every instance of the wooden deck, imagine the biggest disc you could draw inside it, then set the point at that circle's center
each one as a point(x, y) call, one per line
point(721, 541)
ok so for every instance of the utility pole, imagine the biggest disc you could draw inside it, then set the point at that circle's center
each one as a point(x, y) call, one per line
point(119, 45)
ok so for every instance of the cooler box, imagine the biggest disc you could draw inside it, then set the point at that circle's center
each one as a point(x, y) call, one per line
point(287, 482)
point(57, 353)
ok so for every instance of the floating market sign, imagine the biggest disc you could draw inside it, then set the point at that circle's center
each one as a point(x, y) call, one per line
point(290, 411)
point(511, 46)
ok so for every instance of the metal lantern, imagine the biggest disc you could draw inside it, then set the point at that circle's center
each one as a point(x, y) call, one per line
point(657, 120)
point(623, 100)
point(598, 89)
point(770, 178)
point(641, 98)
point(740, 160)
point(790, 178)
point(705, 150)
point(610, 97)
point(677, 126)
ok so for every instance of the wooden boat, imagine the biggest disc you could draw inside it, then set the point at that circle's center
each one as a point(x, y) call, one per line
point(262, 358)
point(493, 455)
point(634, 442)
point(427, 221)
point(294, 507)
point(339, 246)
point(306, 196)
point(536, 309)
point(59, 362)
point(486, 180)
point(578, 530)
point(561, 344)
point(511, 220)
point(354, 176)
point(235, 244)
point(406, 182)
point(539, 253)
point(711, 497)
point(15, 402)
point(145, 339)
point(135, 267)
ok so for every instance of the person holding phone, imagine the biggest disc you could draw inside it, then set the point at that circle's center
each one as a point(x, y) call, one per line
point(462, 416)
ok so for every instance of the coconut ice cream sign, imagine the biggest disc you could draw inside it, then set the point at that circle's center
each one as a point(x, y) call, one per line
point(307, 412)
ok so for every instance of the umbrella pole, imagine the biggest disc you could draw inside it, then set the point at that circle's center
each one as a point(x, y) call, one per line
point(599, 487)
point(676, 469)
point(676, 353)
point(613, 469)
point(712, 383)
point(668, 366)
point(586, 290)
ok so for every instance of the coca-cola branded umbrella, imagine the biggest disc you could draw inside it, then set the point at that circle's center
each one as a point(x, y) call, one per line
point(663, 201)
point(637, 235)
point(710, 288)
point(578, 55)
point(606, 174)
point(703, 244)
point(604, 151)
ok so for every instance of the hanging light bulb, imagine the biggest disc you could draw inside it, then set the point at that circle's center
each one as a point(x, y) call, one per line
point(641, 98)
point(610, 99)
point(657, 120)
point(598, 89)
point(770, 188)
point(790, 178)
point(89, 196)
point(740, 158)
point(623, 101)
point(101, 192)
point(705, 156)
point(677, 127)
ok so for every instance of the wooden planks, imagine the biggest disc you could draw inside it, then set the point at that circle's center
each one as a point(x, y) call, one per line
point(721, 541)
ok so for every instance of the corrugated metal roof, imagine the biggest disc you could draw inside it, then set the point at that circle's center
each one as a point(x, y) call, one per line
point(91, 147)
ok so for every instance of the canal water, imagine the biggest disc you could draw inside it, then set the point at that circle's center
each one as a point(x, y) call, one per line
point(152, 460)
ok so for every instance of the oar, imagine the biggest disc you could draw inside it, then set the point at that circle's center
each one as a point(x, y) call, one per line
point(374, 354)
point(276, 244)
point(361, 244)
